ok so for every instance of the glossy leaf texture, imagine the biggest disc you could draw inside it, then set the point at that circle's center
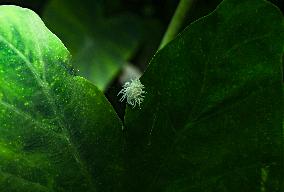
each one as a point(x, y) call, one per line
point(212, 115)
point(57, 131)
point(100, 45)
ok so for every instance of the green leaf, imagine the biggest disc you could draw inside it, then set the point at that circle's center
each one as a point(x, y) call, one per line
point(57, 131)
point(100, 45)
point(212, 115)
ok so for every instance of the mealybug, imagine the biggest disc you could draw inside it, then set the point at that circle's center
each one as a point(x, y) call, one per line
point(133, 92)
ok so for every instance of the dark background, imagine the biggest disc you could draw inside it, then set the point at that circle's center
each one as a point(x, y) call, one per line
point(162, 9)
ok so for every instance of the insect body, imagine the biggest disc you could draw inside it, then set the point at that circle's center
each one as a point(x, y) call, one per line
point(133, 92)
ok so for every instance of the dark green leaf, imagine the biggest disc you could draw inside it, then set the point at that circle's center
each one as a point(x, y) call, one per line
point(212, 115)
point(100, 45)
point(57, 131)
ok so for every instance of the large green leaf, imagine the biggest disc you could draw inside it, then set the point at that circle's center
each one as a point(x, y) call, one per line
point(100, 45)
point(57, 131)
point(212, 115)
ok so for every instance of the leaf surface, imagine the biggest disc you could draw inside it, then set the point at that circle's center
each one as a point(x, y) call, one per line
point(212, 115)
point(57, 131)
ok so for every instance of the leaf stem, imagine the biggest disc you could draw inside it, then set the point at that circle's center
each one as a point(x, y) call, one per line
point(176, 22)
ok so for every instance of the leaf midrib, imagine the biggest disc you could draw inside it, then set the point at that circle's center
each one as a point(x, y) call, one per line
point(46, 91)
point(34, 121)
point(8, 174)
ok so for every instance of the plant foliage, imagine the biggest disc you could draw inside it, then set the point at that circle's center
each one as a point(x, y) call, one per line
point(211, 119)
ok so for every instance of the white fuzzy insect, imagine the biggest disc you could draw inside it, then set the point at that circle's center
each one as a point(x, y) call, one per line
point(133, 92)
